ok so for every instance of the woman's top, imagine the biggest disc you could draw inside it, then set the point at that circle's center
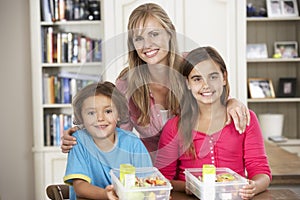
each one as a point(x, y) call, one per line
point(242, 153)
point(87, 162)
point(150, 133)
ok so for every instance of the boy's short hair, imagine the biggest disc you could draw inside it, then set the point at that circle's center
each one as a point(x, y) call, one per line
point(107, 89)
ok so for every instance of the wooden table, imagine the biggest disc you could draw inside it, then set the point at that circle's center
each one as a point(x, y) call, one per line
point(274, 194)
point(285, 166)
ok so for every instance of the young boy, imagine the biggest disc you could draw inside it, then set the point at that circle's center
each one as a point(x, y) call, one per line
point(99, 109)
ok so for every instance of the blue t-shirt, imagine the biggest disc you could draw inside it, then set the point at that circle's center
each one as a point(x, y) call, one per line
point(86, 161)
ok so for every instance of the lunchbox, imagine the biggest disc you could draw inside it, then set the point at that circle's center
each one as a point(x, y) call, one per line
point(161, 192)
point(228, 190)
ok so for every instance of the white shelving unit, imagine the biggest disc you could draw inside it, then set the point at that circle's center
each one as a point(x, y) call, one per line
point(49, 161)
point(270, 30)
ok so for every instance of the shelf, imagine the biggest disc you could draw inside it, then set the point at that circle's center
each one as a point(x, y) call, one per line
point(57, 105)
point(49, 149)
point(71, 23)
point(274, 60)
point(266, 19)
point(274, 100)
point(91, 64)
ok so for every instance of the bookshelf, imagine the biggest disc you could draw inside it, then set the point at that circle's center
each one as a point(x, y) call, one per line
point(58, 69)
point(268, 31)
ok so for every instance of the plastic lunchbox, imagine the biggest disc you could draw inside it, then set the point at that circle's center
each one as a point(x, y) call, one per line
point(214, 191)
point(161, 192)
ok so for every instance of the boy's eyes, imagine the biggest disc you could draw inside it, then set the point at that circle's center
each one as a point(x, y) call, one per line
point(108, 111)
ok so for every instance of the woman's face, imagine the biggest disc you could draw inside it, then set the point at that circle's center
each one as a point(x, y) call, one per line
point(151, 42)
point(206, 82)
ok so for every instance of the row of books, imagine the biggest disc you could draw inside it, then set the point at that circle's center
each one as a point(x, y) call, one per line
point(54, 126)
point(62, 87)
point(68, 47)
point(61, 10)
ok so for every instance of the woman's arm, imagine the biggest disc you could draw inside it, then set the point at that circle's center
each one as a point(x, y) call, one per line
point(239, 113)
point(67, 140)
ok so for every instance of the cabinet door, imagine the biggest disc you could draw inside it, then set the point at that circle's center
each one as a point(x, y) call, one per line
point(55, 166)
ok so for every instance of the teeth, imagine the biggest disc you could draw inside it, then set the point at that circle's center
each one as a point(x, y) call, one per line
point(207, 93)
point(151, 53)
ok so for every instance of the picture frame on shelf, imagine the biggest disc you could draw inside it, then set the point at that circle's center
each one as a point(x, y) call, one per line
point(282, 8)
point(289, 8)
point(261, 88)
point(256, 51)
point(286, 49)
point(287, 87)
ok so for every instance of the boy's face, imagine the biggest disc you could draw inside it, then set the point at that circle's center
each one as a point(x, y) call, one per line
point(99, 116)
point(206, 82)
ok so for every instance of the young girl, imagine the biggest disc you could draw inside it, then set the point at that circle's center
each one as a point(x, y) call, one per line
point(151, 83)
point(199, 135)
point(99, 109)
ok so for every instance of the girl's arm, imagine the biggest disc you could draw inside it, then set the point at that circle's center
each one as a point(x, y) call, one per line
point(84, 189)
point(257, 184)
point(239, 113)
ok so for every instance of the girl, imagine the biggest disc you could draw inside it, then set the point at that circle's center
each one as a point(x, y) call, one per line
point(99, 109)
point(199, 134)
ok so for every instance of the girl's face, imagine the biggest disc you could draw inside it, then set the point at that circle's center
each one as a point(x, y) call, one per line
point(151, 42)
point(206, 82)
point(99, 116)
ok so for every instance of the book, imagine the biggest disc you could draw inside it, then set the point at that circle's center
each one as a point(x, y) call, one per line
point(46, 13)
point(49, 45)
point(278, 138)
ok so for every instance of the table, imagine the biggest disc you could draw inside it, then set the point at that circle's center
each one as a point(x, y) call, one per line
point(274, 194)
point(285, 166)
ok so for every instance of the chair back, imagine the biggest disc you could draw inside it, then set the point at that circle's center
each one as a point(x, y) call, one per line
point(58, 191)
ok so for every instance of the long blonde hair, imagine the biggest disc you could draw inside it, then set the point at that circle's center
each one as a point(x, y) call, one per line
point(137, 73)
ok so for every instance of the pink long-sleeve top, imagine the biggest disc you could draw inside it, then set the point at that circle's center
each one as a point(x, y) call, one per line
point(149, 134)
point(243, 153)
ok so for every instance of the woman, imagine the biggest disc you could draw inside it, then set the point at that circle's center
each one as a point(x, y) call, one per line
point(151, 81)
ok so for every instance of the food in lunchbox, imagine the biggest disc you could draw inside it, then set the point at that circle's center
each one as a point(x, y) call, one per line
point(225, 177)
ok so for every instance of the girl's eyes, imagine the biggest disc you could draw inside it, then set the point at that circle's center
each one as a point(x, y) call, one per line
point(138, 39)
point(151, 34)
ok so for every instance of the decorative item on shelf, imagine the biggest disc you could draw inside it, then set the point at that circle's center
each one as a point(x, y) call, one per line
point(271, 124)
point(261, 88)
point(257, 51)
point(287, 87)
point(285, 49)
point(282, 8)
point(253, 12)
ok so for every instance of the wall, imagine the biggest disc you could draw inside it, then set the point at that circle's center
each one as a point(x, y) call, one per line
point(16, 165)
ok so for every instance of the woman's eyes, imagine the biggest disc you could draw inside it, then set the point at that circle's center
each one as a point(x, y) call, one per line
point(151, 34)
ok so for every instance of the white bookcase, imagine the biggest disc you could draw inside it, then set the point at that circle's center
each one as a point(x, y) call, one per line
point(49, 161)
point(268, 31)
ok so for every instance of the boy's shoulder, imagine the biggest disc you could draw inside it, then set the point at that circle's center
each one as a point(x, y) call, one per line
point(124, 134)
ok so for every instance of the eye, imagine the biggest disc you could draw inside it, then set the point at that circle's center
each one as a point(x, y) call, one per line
point(197, 79)
point(154, 33)
point(91, 113)
point(138, 39)
point(214, 76)
point(108, 111)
